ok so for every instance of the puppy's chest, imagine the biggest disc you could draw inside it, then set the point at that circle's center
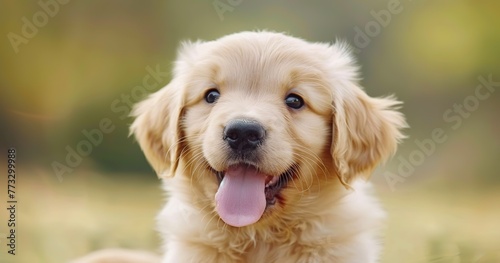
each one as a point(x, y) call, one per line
point(283, 252)
point(265, 252)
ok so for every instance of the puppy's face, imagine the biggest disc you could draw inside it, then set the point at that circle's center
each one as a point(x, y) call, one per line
point(256, 121)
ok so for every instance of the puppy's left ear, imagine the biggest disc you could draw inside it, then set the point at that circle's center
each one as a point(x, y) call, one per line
point(157, 128)
point(366, 131)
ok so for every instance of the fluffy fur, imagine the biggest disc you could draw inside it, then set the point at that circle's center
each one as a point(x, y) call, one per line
point(326, 212)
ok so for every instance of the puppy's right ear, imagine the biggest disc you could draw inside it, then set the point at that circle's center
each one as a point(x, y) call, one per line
point(157, 128)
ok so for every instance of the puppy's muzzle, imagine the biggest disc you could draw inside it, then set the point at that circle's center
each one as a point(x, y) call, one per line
point(243, 136)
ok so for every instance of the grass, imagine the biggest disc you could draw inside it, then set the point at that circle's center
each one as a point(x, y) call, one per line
point(441, 224)
point(62, 221)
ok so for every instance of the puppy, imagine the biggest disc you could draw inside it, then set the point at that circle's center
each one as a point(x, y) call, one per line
point(264, 142)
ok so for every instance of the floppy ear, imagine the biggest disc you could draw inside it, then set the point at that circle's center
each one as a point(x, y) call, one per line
point(366, 131)
point(157, 128)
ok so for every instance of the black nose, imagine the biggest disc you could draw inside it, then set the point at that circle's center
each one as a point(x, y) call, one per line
point(244, 135)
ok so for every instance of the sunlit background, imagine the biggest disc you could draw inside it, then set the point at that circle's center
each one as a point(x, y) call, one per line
point(70, 70)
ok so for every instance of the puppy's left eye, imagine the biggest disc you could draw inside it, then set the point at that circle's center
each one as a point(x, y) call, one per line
point(294, 101)
point(212, 95)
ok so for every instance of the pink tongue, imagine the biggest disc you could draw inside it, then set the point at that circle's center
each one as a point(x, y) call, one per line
point(241, 199)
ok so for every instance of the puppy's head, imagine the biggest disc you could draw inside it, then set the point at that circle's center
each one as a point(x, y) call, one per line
point(256, 120)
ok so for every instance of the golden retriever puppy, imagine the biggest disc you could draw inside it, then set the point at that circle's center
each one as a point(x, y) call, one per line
point(264, 142)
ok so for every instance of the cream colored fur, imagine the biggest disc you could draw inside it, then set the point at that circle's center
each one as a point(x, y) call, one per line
point(326, 213)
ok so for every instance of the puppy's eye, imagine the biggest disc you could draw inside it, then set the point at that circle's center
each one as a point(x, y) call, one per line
point(294, 101)
point(212, 95)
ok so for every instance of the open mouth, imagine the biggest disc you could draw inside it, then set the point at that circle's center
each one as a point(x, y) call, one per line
point(273, 185)
point(245, 192)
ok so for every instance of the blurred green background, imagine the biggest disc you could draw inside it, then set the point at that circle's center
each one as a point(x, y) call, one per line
point(68, 66)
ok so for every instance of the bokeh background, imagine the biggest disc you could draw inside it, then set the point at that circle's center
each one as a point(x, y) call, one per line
point(67, 66)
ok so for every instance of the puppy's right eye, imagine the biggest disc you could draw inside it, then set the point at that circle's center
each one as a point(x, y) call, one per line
point(212, 95)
